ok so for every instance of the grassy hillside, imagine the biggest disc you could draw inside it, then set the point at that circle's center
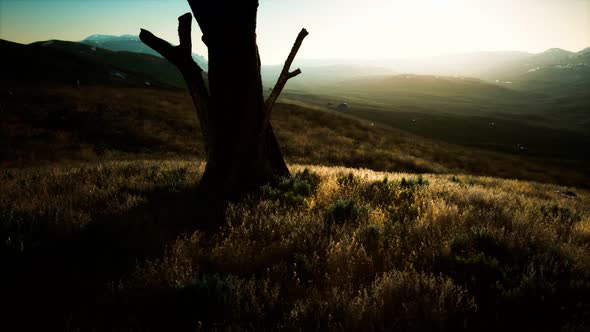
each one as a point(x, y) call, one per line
point(465, 111)
point(560, 80)
point(69, 62)
point(58, 123)
point(411, 86)
point(130, 245)
point(548, 116)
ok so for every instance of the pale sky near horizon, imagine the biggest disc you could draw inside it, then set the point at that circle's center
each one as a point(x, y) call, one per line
point(354, 29)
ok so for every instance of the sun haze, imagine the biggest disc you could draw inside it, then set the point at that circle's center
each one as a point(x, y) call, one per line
point(370, 29)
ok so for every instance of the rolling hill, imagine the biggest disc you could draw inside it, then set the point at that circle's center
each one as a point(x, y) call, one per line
point(321, 75)
point(43, 124)
point(400, 86)
point(74, 63)
point(497, 65)
point(464, 111)
point(556, 80)
point(555, 72)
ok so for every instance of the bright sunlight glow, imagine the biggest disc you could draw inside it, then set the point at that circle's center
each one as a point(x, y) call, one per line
point(369, 29)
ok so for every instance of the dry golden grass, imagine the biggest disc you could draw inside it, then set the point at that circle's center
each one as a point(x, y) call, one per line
point(128, 244)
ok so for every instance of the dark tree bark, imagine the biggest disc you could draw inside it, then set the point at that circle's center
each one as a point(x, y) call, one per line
point(241, 147)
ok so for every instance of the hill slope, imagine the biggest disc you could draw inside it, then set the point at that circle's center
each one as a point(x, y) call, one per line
point(69, 63)
point(410, 86)
point(570, 80)
point(50, 123)
point(555, 72)
point(466, 111)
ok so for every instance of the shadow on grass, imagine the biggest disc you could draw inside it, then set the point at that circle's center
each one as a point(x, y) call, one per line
point(73, 280)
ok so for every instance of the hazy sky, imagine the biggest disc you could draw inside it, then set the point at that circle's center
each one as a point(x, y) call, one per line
point(367, 29)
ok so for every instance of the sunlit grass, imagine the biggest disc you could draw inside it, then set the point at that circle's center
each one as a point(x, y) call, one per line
point(360, 249)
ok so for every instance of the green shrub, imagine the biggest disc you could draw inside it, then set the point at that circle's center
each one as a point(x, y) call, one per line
point(347, 180)
point(379, 193)
point(411, 182)
point(563, 216)
point(479, 241)
point(344, 212)
point(396, 198)
point(561, 219)
point(292, 191)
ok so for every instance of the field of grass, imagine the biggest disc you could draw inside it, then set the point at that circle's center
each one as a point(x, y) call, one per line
point(53, 123)
point(131, 245)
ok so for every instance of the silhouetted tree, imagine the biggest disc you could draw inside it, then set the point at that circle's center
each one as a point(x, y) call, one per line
point(241, 147)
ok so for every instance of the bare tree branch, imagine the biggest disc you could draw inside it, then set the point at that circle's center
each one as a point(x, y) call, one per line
point(159, 45)
point(181, 57)
point(174, 54)
point(285, 75)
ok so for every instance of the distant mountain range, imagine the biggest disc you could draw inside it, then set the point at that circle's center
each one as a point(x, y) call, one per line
point(554, 71)
point(519, 70)
point(105, 59)
point(484, 65)
point(131, 43)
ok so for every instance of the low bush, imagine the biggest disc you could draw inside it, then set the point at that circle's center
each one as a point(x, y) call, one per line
point(292, 191)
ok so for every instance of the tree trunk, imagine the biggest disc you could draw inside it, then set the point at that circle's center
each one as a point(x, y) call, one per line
point(242, 150)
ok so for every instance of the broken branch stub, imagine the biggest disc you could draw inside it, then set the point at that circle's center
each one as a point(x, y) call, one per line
point(181, 57)
point(184, 34)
